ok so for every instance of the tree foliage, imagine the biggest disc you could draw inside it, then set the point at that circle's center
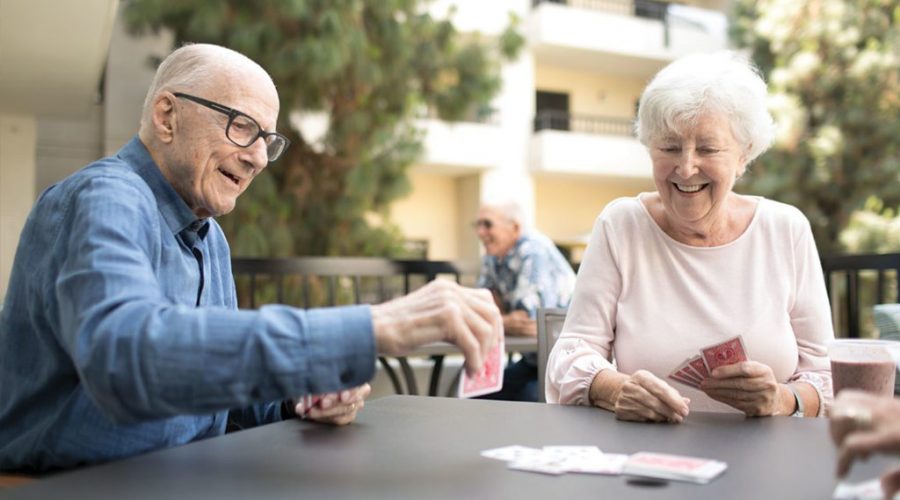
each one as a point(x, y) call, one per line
point(832, 68)
point(366, 69)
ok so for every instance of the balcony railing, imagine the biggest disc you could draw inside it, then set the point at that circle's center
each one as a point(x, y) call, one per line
point(650, 9)
point(588, 124)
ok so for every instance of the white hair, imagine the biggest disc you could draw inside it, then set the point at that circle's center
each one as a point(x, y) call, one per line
point(191, 67)
point(720, 82)
point(511, 210)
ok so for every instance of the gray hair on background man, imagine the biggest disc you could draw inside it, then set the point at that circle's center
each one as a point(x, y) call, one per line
point(511, 210)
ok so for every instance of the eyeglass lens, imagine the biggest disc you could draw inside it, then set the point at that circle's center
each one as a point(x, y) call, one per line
point(485, 223)
point(244, 131)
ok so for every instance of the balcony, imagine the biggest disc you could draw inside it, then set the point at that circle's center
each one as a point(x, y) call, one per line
point(593, 145)
point(455, 148)
point(624, 37)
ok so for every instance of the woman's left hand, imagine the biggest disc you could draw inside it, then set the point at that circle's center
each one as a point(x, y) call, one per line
point(749, 386)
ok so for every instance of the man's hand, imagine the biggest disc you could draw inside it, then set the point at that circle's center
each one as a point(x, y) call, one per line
point(519, 324)
point(336, 408)
point(862, 424)
point(440, 310)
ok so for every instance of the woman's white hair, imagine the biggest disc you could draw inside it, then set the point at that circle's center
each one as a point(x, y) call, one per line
point(720, 82)
point(192, 67)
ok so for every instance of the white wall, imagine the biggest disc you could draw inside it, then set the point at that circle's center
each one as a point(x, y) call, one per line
point(18, 137)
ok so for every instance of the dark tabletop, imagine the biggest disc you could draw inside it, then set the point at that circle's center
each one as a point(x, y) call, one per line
point(426, 447)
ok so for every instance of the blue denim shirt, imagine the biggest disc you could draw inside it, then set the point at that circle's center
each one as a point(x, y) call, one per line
point(120, 333)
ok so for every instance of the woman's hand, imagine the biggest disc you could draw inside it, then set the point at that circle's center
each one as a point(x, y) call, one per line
point(336, 408)
point(644, 397)
point(751, 387)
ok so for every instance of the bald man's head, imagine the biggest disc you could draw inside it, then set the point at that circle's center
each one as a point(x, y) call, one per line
point(208, 122)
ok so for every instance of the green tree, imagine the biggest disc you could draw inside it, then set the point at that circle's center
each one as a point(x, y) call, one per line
point(368, 68)
point(832, 68)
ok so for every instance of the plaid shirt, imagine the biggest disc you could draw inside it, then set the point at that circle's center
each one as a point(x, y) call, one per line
point(533, 274)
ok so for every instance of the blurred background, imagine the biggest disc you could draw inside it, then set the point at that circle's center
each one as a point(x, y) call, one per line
point(405, 115)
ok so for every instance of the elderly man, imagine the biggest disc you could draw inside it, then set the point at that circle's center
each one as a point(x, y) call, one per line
point(524, 271)
point(120, 332)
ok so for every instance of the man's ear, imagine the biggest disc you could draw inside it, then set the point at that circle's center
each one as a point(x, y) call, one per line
point(164, 118)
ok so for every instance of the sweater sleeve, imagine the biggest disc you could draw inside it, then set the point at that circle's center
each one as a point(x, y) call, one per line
point(584, 347)
point(811, 319)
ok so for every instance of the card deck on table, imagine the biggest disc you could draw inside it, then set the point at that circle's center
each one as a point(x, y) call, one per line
point(673, 467)
point(491, 377)
point(726, 353)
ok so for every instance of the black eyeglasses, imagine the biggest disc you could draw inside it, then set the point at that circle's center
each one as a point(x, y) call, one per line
point(485, 223)
point(242, 130)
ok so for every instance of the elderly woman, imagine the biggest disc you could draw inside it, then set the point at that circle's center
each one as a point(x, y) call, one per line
point(694, 264)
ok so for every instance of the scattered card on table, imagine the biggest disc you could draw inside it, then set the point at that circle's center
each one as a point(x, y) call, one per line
point(866, 490)
point(491, 377)
point(726, 353)
point(510, 453)
point(673, 467)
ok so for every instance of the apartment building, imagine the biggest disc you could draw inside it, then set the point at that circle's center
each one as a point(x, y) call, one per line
point(560, 139)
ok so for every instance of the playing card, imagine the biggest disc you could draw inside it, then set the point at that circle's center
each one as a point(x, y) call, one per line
point(604, 463)
point(510, 453)
point(673, 467)
point(726, 353)
point(491, 377)
point(687, 378)
point(865, 490)
point(686, 381)
point(542, 464)
point(689, 374)
point(696, 364)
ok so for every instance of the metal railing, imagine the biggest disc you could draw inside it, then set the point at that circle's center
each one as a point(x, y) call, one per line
point(855, 283)
point(648, 9)
point(651, 9)
point(551, 119)
point(332, 281)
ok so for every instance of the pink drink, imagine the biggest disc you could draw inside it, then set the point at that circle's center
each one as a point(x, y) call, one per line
point(875, 376)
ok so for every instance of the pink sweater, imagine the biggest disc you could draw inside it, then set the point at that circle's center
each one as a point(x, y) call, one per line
point(651, 302)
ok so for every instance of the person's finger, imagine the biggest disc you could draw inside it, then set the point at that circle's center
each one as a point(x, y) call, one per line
point(890, 483)
point(481, 322)
point(731, 395)
point(862, 443)
point(669, 400)
point(744, 369)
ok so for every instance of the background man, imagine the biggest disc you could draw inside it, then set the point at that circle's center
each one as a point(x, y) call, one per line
point(524, 271)
point(120, 333)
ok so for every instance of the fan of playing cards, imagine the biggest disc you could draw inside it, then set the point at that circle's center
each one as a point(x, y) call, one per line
point(693, 370)
point(557, 460)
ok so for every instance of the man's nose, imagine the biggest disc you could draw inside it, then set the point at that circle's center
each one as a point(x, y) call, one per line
point(256, 155)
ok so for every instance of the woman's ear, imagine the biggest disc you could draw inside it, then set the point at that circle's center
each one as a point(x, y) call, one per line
point(163, 117)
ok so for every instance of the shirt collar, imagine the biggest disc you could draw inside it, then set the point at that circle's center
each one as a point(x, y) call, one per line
point(177, 214)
